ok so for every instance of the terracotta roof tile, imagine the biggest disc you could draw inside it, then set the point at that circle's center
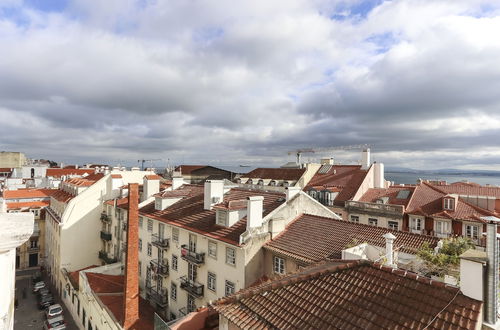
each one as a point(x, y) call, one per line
point(190, 214)
point(28, 193)
point(347, 178)
point(58, 172)
point(63, 196)
point(289, 174)
point(31, 205)
point(371, 195)
point(332, 236)
point(153, 177)
point(187, 169)
point(469, 189)
point(75, 275)
point(356, 295)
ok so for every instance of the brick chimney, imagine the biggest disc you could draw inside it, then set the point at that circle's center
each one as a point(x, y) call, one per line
point(131, 294)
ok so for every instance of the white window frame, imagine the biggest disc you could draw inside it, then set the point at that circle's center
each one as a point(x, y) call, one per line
point(278, 265)
point(212, 249)
point(472, 228)
point(390, 225)
point(212, 281)
point(449, 203)
point(150, 249)
point(229, 288)
point(416, 223)
point(150, 225)
point(173, 291)
point(175, 234)
point(175, 262)
point(222, 217)
point(230, 256)
point(354, 218)
point(373, 220)
point(444, 227)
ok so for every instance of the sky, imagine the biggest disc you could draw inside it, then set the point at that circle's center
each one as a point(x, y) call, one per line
point(227, 83)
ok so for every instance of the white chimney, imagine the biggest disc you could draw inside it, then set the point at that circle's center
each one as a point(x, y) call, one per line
point(472, 267)
point(76, 166)
point(291, 192)
point(389, 250)
point(151, 186)
point(106, 170)
point(213, 193)
point(255, 207)
point(177, 181)
point(365, 159)
point(379, 175)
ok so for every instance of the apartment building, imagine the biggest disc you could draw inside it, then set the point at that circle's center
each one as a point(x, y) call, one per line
point(73, 220)
point(30, 254)
point(198, 243)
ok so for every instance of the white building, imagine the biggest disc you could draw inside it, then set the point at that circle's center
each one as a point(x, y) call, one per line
point(16, 229)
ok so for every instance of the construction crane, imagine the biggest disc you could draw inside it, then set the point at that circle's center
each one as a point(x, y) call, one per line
point(301, 151)
point(142, 161)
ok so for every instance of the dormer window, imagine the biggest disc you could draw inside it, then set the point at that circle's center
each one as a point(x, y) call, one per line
point(238, 180)
point(272, 183)
point(286, 183)
point(449, 203)
point(221, 218)
point(250, 181)
point(261, 182)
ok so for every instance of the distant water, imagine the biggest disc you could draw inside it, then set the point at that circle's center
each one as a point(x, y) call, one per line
point(411, 178)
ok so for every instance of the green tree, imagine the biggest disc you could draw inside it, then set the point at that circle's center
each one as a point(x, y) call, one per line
point(447, 259)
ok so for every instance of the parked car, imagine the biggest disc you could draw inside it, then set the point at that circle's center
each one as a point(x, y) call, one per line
point(38, 286)
point(44, 296)
point(53, 311)
point(43, 292)
point(56, 323)
point(45, 302)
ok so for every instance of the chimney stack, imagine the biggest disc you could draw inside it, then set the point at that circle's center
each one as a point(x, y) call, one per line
point(379, 175)
point(255, 207)
point(389, 250)
point(213, 193)
point(177, 181)
point(365, 159)
point(131, 294)
point(151, 185)
point(291, 192)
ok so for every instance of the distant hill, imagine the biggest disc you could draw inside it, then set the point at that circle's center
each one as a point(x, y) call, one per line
point(446, 171)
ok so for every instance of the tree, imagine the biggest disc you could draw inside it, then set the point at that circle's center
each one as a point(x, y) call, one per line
point(447, 259)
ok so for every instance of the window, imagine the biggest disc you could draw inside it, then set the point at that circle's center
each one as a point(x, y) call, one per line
point(192, 271)
point(84, 316)
point(442, 227)
point(33, 243)
point(229, 288)
point(393, 225)
point(279, 265)
point(140, 222)
point(192, 243)
point(150, 248)
point(373, 222)
point(140, 268)
point(230, 256)
point(150, 225)
point(175, 234)
point(140, 245)
point(173, 291)
point(211, 281)
point(174, 262)
point(472, 232)
point(416, 224)
point(191, 306)
point(355, 218)
point(449, 204)
point(212, 249)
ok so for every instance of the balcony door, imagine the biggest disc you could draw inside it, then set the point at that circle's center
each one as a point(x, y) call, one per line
point(192, 243)
point(192, 271)
point(160, 255)
point(161, 231)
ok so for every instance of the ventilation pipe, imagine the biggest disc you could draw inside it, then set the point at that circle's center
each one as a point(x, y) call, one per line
point(389, 250)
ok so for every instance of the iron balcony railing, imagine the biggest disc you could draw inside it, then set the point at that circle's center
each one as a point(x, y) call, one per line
point(105, 235)
point(159, 266)
point(183, 312)
point(103, 255)
point(105, 218)
point(191, 256)
point(160, 242)
point(33, 248)
point(193, 287)
point(160, 297)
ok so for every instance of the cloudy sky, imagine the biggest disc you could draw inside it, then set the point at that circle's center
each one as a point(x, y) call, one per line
point(243, 82)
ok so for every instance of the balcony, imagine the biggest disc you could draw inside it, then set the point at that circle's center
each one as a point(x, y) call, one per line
point(183, 312)
point(375, 209)
point(159, 297)
point(32, 249)
point(191, 256)
point(160, 242)
point(103, 255)
point(105, 218)
point(194, 288)
point(159, 267)
point(105, 235)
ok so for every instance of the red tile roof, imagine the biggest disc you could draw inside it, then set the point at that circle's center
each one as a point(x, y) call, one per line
point(75, 276)
point(289, 174)
point(28, 193)
point(31, 205)
point(357, 295)
point(5, 169)
point(232, 205)
point(109, 289)
point(116, 176)
point(120, 202)
point(347, 178)
point(312, 238)
point(427, 200)
point(58, 172)
point(373, 194)
point(189, 212)
point(85, 181)
point(153, 177)
point(63, 196)
point(469, 189)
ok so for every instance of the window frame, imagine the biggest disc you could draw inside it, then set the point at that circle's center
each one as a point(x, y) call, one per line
point(354, 218)
point(211, 281)
point(229, 284)
point(279, 265)
point(150, 249)
point(213, 243)
point(233, 257)
point(173, 291)
point(390, 225)
point(373, 222)
point(175, 262)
